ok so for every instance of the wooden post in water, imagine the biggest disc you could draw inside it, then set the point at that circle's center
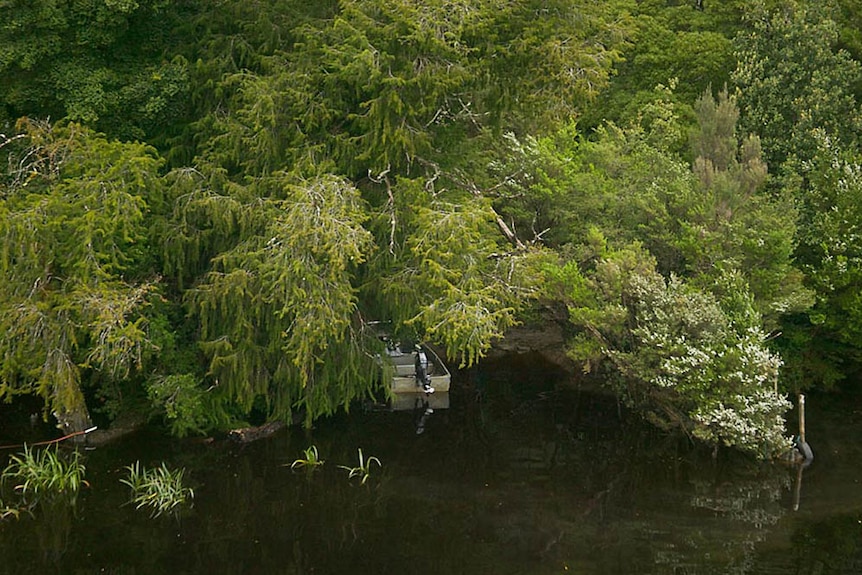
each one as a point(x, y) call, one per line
point(801, 418)
point(797, 492)
point(803, 450)
point(802, 445)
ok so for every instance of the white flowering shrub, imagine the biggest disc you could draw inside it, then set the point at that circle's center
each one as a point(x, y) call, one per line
point(680, 357)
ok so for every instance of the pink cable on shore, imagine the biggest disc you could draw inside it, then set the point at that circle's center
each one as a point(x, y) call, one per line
point(50, 441)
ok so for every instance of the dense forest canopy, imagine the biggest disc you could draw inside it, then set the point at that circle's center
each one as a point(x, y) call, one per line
point(206, 205)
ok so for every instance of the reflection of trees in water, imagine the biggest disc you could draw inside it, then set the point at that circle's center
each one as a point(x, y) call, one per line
point(548, 480)
point(744, 510)
point(53, 522)
point(754, 502)
point(639, 498)
point(634, 496)
point(716, 533)
point(42, 533)
point(829, 546)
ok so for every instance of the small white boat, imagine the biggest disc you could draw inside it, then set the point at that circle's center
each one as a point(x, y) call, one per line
point(417, 369)
point(420, 379)
point(417, 376)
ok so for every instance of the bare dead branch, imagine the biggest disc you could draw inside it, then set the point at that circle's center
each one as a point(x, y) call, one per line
point(383, 177)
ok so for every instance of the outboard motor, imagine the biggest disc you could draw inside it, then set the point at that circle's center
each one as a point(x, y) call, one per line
point(423, 379)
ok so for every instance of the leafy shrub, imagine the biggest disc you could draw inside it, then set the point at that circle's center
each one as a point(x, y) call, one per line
point(681, 356)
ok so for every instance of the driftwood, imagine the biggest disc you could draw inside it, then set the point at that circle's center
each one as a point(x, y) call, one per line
point(249, 434)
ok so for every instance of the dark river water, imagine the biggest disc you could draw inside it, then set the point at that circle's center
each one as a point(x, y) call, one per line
point(520, 475)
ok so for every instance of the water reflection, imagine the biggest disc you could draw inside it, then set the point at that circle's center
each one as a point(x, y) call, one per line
point(517, 476)
point(45, 527)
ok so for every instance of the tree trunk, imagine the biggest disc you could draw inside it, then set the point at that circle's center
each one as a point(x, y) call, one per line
point(70, 410)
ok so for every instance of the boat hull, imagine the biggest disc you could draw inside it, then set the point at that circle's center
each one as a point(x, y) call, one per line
point(418, 401)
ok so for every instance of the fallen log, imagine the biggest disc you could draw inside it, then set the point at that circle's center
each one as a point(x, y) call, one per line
point(249, 434)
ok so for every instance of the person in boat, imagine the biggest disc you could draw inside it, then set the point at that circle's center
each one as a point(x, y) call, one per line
point(423, 378)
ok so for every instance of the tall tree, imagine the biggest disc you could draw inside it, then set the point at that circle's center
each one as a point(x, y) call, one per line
point(395, 100)
point(278, 310)
point(77, 278)
point(733, 224)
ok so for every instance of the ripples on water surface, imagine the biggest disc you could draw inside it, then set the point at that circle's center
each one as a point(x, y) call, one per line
point(517, 477)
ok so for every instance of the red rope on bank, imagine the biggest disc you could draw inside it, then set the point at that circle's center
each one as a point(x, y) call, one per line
point(50, 441)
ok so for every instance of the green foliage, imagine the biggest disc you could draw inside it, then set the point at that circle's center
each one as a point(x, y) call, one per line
point(74, 262)
point(798, 91)
point(44, 473)
point(833, 228)
point(623, 181)
point(550, 186)
point(363, 470)
point(382, 84)
point(700, 221)
point(793, 82)
point(830, 244)
point(732, 224)
point(95, 62)
point(848, 16)
point(183, 402)
point(445, 275)
point(687, 43)
point(277, 310)
point(426, 163)
point(160, 488)
point(204, 216)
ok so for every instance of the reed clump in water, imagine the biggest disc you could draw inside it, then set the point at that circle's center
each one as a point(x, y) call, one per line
point(311, 460)
point(161, 489)
point(363, 470)
point(43, 473)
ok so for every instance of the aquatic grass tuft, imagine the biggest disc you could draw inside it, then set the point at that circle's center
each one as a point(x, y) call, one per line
point(45, 473)
point(160, 488)
point(363, 470)
point(311, 459)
